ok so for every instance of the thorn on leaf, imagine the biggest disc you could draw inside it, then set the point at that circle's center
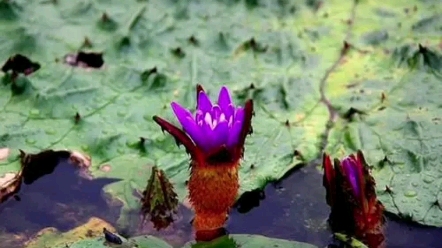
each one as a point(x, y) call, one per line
point(345, 48)
point(388, 190)
point(252, 86)
point(351, 113)
point(251, 3)
point(178, 52)
point(87, 43)
point(147, 73)
point(384, 162)
point(77, 118)
point(152, 71)
point(105, 17)
point(142, 140)
point(255, 46)
point(383, 97)
point(287, 123)
point(194, 41)
point(252, 166)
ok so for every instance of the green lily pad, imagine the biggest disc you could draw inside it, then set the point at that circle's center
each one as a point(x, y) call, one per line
point(352, 242)
point(248, 241)
point(155, 52)
point(388, 97)
point(90, 234)
point(140, 242)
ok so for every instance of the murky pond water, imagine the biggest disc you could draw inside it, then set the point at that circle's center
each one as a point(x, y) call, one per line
point(292, 209)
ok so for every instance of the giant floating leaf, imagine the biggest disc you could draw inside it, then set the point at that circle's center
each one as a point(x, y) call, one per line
point(155, 52)
point(90, 235)
point(388, 86)
point(248, 241)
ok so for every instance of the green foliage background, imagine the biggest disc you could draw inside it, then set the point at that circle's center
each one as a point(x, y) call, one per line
point(305, 64)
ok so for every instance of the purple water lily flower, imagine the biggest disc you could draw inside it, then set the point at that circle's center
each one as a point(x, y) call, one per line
point(214, 127)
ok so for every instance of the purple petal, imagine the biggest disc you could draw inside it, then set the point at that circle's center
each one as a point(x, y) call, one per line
point(204, 102)
point(351, 170)
point(239, 114)
point(229, 111)
point(224, 99)
point(181, 113)
point(194, 132)
point(234, 133)
point(208, 133)
point(189, 126)
point(220, 134)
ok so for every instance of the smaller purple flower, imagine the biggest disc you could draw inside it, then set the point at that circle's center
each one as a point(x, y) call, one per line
point(353, 172)
point(351, 195)
point(213, 126)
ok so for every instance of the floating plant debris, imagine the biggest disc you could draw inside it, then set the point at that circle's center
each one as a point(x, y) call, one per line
point(10, 183)
point(159, 200)
point(111, 238)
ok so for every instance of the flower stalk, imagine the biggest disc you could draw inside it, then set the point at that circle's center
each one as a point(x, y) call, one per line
point(351, 195)
point(214, 137)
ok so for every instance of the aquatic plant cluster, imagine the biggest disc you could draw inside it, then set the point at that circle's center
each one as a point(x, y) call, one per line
point(214, 136)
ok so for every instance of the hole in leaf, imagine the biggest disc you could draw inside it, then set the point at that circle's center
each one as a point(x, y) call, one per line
point(34, 166)
point(20, 64)
point(85, 60)
point(249, 200)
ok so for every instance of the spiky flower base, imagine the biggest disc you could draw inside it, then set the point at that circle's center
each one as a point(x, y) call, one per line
point(212, 191)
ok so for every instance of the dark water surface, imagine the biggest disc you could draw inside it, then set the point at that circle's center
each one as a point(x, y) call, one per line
point(61, 199)
point(292, 209)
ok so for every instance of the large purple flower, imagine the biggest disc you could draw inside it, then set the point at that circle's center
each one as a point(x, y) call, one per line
point(214, 126)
